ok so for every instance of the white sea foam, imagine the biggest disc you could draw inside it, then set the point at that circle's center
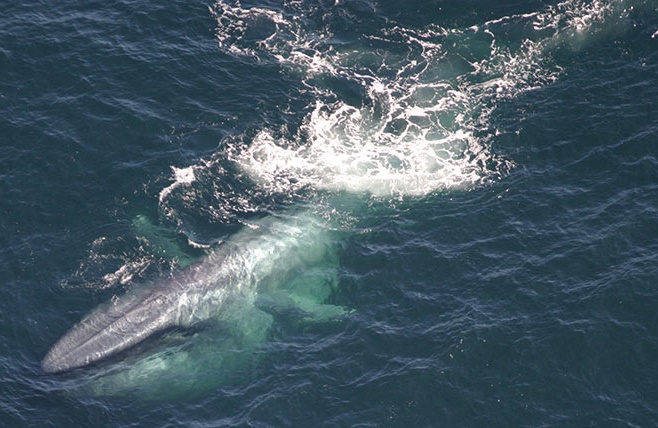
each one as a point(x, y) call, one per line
point(426, 95)
point(181, 177)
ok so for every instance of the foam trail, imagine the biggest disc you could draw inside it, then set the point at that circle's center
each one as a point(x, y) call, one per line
point(422, 122)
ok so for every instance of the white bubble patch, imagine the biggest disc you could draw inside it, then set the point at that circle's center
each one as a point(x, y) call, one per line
point(365, 161)
point(181, 177)
point(419, 119)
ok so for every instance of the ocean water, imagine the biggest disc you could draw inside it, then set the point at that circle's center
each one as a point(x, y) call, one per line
point(486, 173)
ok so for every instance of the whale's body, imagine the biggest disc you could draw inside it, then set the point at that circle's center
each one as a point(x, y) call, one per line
point(258, 259)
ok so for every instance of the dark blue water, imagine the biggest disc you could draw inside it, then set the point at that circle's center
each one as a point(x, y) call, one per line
point(488, 172)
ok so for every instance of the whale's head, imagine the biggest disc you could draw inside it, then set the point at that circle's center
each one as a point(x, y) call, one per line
point(112, 329)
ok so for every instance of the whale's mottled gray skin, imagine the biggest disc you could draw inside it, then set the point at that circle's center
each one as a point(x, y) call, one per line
point(261, 255)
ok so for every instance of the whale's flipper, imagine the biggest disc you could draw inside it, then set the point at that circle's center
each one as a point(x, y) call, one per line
point(281, 303)
point(305, 295)
point(162, 241)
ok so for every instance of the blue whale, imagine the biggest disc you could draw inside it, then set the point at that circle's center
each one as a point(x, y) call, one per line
point(257, 261)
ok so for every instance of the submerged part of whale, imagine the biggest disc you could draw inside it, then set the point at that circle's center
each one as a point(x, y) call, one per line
point(264, 258)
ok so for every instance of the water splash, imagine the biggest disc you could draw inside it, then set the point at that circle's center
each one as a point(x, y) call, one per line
point(424, 96)
point(181, 177)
